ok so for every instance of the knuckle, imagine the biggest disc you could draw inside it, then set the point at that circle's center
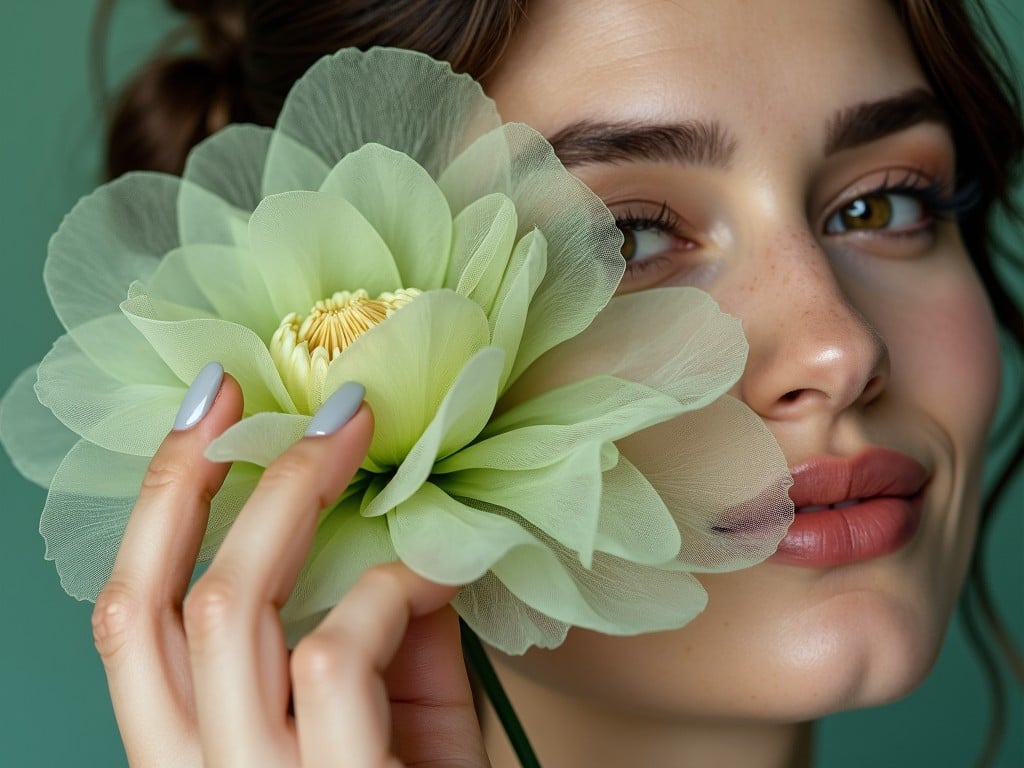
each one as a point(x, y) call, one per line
point(320, 659)
point(113, 617)
point(384, 579)
point(164, 474)
point(212, 605)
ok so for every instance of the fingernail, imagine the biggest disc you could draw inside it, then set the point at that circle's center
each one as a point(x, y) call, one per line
point(337, 410)
point(200, 396)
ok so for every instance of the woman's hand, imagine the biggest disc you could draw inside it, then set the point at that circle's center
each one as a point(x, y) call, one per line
point(206, 680)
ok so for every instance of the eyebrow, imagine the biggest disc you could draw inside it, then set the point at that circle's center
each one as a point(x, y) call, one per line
point(871, 121)
point(691, 142)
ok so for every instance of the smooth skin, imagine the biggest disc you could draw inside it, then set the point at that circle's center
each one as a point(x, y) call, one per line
point(206, 679)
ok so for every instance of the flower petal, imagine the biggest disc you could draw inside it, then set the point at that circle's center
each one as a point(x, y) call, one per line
point(224, 507)
point(186, 345)
point(449, 542)
point(33, 437)
point(563, 499)
point(512, 307)
point(92, 494)
point(309, 245)
point(635, 524)
point(258, 439)
point(407, 364)
point(223, 185)
point(483, 236)
point(724, 478)
point(547, 428)
point(352, 98)
point(111, 238)
point(417, 230)
point(462, 414)
point(675, 340)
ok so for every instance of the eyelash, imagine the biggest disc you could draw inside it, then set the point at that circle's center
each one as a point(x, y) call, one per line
point(932, 195)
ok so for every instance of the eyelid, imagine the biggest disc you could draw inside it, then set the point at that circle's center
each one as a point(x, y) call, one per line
point(896, 180)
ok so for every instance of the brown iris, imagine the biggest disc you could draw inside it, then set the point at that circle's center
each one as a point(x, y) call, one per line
point(867, 212)
point(628, 244)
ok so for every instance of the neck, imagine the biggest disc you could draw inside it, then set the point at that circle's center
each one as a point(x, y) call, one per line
point(566, 732)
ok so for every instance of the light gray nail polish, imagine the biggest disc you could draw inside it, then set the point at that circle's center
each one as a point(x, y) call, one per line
point(200, 396)
point(337, 410)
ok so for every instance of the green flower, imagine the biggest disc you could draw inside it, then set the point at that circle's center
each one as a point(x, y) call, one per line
point(570, 457)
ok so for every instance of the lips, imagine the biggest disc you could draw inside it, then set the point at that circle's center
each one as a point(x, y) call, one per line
point(849, 510)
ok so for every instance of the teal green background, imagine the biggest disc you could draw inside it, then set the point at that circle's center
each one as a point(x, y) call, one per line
point(54, 709)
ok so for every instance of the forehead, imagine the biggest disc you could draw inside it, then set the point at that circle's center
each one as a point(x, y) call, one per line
point(747, 63)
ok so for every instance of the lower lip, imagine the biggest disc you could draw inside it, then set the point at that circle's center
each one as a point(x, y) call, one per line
point(875, 527)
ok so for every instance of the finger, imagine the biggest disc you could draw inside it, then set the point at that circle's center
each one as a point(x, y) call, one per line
point(239, 658)
point(136, 621)
point(341, 703)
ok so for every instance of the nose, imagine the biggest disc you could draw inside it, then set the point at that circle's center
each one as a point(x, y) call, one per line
point(812, 351)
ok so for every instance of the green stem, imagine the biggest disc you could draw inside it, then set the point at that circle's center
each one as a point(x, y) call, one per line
point(474, 651)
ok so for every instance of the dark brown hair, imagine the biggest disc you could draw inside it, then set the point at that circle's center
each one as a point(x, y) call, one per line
point(248, 53)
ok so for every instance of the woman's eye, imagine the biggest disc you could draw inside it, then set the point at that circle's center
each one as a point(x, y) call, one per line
point(878, 211)
point(640, 243)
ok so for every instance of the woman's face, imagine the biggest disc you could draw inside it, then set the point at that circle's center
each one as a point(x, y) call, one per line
point(786, 157)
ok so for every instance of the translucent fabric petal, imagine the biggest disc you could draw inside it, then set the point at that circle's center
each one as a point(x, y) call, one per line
point(545, 429)
point(583, 243)
point(635, 524)
point(462, 414)
point(223, 185)
point(308, 245)
point(449, 542)
point(418, 232)
point(87, 508)
point(345, 545)
point(512, 306)
point(354, 98)
point(562, 499)
point(503, 620)
point(220, 280)
point(258, 439)
point(33, 437)
point(188, 345)
point(675, 340)
point(111, 238)
point(483, 236)
point(125, 417)
point(224, 507)
point(407, 364)
point(724, 478)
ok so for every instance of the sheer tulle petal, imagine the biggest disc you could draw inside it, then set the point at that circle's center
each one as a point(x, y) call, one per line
point(635, 524)
point(33, 437)
point(258, 439)
point(418, 232)
point(309, 245)
point(512, 307)
point(503, 620)
point(223, 185)
point(123, 417)
point(87, 508)
point(407, 364)
point(460, 417)
point(189, 344)
point(449, 542)
point(237, 488)
point(111, 238)
point(354, 98)
point(563, 499)
point(483, 236)
point(723, 476)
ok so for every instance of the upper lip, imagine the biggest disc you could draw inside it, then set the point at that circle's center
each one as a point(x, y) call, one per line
point(826, 480)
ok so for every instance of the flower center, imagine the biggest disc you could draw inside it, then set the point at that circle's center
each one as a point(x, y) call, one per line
point(303, 347)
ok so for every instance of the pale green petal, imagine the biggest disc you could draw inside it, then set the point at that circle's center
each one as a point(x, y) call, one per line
point(407, 364)
point(449, 542)
point(309, 245)
point(404, 205)
point(354, 98)
point(562, 499)
point(724, 478)
point(32, 436)
point(483, 237)
point(675, 340)
point(584, 262)
point(223, 185)
point(111, 238)
point(126, 417)
point(460, 417)
point(86, 511)
point(345, 545)
point(503, 620)
point(512, 306)
point(258, 439)
point(237, 488)
point(188, 345)
point(635, 524)
point(220, 280)
point(546, 428)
